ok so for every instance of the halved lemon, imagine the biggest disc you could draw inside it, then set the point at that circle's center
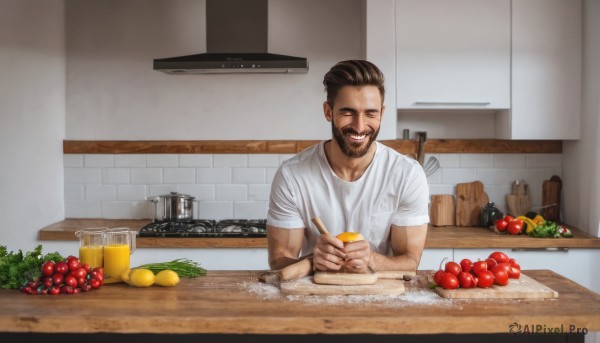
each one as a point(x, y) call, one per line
point(349, 236)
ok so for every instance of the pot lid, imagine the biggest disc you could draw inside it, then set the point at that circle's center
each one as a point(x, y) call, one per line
point(174, 195)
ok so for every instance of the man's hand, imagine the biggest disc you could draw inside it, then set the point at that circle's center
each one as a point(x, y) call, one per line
point(358, 254)
point(328, 253)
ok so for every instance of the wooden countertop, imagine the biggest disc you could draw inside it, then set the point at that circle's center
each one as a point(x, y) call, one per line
point(228, 302)
point(437, 237)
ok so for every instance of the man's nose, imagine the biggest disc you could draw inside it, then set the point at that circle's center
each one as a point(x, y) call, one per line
point(359, 123)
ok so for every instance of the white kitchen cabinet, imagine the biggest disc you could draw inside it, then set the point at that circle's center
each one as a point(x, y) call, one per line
point(452, 54)
point(431, 258)
point(546, 71)
point(579, 265)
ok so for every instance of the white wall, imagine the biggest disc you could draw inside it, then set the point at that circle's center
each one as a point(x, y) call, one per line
point(113, 93)
point(32, 112)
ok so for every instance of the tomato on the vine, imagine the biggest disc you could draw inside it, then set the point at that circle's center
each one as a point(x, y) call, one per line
point(499, 256)
point(515, 226)
point(48, 268)
point(466, 265)
point(500, 276)
point(437, 277)
point(501, 224)
point(479, 267)
point(486, 279)
point(449, 281)
point(453, 268)
point(514, 273)
point(61, 267)
point(491, 263)
point(465, 280)
point(513, 263)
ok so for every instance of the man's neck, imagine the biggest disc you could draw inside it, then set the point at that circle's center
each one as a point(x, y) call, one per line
point(344, 167)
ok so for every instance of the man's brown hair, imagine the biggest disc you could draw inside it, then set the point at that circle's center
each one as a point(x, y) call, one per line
point(352, 73)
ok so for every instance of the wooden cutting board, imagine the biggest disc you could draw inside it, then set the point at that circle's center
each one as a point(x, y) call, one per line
point(551, 192)
point(340, 278)
point(442, 211)
point(306, 286)
point(521, 288)
point(470, 200)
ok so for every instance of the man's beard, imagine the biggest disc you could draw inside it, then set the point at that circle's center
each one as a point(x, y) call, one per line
point(353, 150)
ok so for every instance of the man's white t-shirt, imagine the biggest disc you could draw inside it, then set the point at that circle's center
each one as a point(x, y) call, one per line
point(392, 191)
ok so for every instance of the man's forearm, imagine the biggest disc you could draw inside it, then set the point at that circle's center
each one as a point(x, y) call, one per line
point(399, 262)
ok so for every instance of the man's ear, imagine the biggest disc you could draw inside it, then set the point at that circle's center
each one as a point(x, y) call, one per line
point(327, 111)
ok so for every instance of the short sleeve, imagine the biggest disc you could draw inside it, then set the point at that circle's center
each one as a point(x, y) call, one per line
point(283, 211)
point(413, 207)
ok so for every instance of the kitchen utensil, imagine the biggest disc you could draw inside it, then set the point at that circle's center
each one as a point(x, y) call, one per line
point(292, 272)
point(551, 194)
point(519, 201)
point(523, 287)
point(422, 139)
point(305, 286)
point(119, 244)
point(470, 199)
point(320, 226)
point(173, 207)
point(91, 243)
point(442, 211)
point(431, 165)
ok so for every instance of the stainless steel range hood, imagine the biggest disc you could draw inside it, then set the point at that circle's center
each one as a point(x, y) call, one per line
point(236, 42)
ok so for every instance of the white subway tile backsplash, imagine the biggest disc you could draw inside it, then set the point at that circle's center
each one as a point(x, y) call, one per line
point(263, 160)
point(435, 178)
point(156, 190)
point(216, 210)
point(249, 175)
point(73, 160)
point(530, 176)
point(98, 160)
point(213, 175)
point(82, 176)
point(179, 175)
point(458, 175)
point(442, 189)
point(544, 160)
point(230, 160)
point(231, 192)
point(115, 175)
point(131, 192)
point(259, 192)
point(83, 209)
point(162, 160)
point(494, 176)
point(100, 192)
point(284, 157)
point(270, 174)
point(199, 192)
point(146, 175)
point(196, 160)
point(130, 160)
point(447, 160)
point(250, 209)
point(74, 192)
point(125, 210)
point(475, 160)
point(509, 160)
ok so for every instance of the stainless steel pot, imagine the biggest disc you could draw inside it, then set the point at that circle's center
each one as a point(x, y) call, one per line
point(173, 207)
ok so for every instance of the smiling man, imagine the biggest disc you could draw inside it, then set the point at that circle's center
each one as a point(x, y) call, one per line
point(353, 183)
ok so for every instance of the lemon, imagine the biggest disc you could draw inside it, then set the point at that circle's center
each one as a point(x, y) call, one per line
point(167, 278)
point(125, 276)
point(349, 236)
point(141, 277)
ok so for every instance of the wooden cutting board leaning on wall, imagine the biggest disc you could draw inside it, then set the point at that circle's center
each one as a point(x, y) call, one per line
point(519, 201)
point(442, 211)
point(470, 200)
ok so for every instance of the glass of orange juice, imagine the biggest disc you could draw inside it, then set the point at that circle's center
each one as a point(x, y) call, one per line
point(91, 241)
point(119, 244)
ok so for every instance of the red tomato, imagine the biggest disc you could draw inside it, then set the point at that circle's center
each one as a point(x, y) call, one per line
point(465, 280)
point(513, 263)
point(449, 281)
point(479, 267)
point(515, 227)
point(73, 264)
point(86, 267)
point(97, 275)
point(48, 268)
point(491, 263)
point(501, 225)
point(437, 277)
point(475, 281)
point(58, 279)
point(500, 276)
point(453, 268)
point(61, 267)
point(508, 218)
point(499, 256)
point(486, 279)
point(466, 265)
point(54, 290)
point(47, 280)
point(504, 266)
point(95, 283)
point(70, 280)
point(514, 273)
point(79, 273)
point(71, 258)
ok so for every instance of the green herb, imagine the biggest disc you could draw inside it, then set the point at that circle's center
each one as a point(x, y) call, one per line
point(16, 269)
point(183, 267)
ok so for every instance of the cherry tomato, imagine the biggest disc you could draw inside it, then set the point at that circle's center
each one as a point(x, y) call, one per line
point(437, 277)
point(465, 280)
point(48, 268)
point(514, 273)
point(54, 290)
point(97, 275)
point(486, 279)
point(61, 267)
point(81, 281)
point(513, 263)
point(79, 273)
point(466, 265)
point(491, 263)
point(499, 256)
point(479, 267)
point(71, 258)
point(87, 267)
point(58, 279)
point(74, 264)
point(515, 227)
point(504, 266)
point(500, 276)
point(94, 283)
point(70, 280)
point(86, 287)
point(501, 224)
point(453, 268)
point(48, 281)
point(449, 281)
point(508, 218)
point(475, 281)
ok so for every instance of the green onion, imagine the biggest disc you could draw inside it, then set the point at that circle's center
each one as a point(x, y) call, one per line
point(182, 266)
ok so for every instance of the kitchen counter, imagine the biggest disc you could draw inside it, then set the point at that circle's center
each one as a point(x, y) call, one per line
point(437, 237)
point(234, 302)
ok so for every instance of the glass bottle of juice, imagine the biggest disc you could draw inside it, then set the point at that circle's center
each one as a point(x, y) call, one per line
point(119, 244)
point(91, 242)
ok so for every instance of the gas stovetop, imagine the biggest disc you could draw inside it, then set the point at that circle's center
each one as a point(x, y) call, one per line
point(207, 228)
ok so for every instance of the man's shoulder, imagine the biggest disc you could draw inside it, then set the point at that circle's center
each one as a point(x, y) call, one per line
point(394, 157)
point(303, 158)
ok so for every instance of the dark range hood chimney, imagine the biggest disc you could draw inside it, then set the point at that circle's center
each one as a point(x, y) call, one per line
point(236, 42)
